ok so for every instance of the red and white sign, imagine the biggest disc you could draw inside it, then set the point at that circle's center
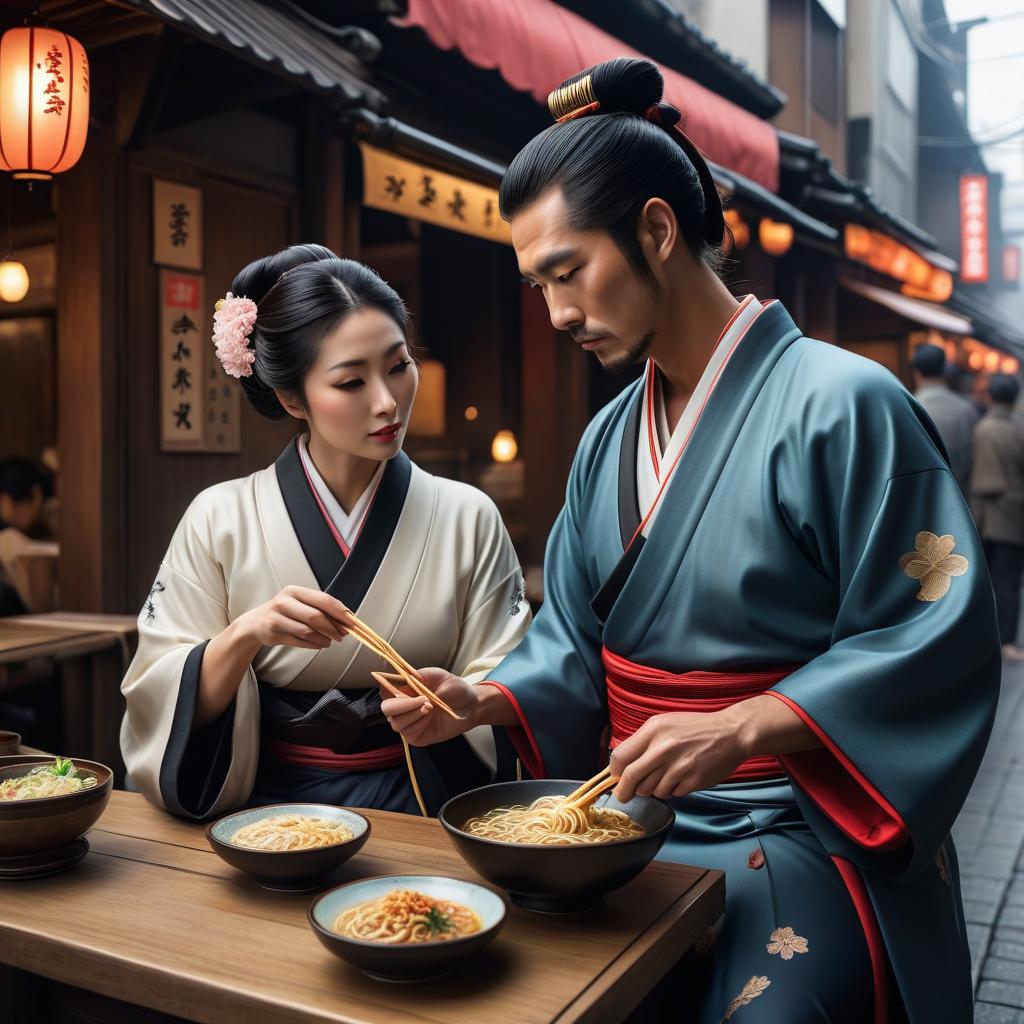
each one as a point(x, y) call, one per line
point(1011, 263)
point(973, 228)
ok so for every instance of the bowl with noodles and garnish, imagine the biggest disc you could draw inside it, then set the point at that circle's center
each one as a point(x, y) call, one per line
point(289, 847)
point(48, 803)
point(549, 847)
point(407, 927)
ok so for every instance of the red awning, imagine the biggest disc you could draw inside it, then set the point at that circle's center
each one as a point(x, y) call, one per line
point(536, 44)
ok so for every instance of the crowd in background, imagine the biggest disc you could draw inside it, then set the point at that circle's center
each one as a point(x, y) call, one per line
point(984, 438)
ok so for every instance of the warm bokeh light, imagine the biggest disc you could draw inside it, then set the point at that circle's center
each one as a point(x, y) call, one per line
point(504, 447)
point(13, 281)
point(471, 413)
point(776, 237)
point(992, 361)
point(1010, 366)
point(975, 360)
point(44, 102)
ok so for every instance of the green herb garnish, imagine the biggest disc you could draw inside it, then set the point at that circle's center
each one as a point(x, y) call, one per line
point(62, 766)
point(438, 921)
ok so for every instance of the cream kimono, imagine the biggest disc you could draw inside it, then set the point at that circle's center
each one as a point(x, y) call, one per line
point(433, 571)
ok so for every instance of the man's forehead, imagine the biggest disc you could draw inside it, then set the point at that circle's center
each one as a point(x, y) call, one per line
point(541, 230)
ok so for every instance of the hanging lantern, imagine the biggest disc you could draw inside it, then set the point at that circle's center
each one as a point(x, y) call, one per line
point(44, 102)
point(776, 237)
point(13, 281)
point(427, 418)
point(504, 447)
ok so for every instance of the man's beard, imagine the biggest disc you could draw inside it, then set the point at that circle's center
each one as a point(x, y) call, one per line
point(637, 353)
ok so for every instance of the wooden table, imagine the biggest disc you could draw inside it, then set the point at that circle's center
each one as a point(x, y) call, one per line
point(153, 917)
point(93, 651)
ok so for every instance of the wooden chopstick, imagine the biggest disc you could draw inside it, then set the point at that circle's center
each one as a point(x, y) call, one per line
point(588, 799)
point(579, 791)
point(381, 678)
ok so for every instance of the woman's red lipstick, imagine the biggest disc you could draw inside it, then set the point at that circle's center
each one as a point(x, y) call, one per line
point(388, 433)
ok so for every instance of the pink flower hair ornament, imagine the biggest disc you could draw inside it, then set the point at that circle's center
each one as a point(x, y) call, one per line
point(232, 324)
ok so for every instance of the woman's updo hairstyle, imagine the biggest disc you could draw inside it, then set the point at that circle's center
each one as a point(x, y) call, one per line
point(615, 146)
point(302, 293)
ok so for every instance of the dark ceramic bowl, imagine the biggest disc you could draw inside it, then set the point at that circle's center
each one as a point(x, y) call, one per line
point(555, 879)
point(419, 961)
point(9, 742)
point(35, 826)
point(288, 870)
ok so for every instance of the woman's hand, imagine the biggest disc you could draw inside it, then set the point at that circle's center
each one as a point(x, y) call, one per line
point(420, 721)
point(675, 754)
point(295, 617)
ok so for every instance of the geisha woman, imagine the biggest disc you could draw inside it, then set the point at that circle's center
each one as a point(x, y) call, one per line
point(246, 688)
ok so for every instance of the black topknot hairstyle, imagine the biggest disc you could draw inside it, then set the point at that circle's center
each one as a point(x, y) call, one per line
point(615, 146)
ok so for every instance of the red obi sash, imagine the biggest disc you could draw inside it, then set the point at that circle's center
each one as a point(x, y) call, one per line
point(638, 692)
point(321, 757)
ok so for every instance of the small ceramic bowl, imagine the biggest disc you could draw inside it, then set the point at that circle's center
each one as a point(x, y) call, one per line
point(288, 870)
point(420, 961)
point(48, 823)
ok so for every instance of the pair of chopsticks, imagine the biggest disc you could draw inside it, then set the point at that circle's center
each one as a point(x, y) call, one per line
point(405, 672)
point(585, 795)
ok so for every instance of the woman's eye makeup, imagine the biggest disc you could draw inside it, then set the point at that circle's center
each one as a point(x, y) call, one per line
point(402, 366)
point(350, 385)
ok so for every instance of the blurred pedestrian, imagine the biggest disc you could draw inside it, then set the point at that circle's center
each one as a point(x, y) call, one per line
point(997, 500)
point(953, 415)
point(27, 566)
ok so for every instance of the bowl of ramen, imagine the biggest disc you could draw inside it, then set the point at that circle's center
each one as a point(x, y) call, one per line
point(519, 836)
point(407, 927)
point(289, 847)
point(47, 803)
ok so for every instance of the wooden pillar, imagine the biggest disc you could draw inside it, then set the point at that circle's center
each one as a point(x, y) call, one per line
point(89, 428)
point(554, 404)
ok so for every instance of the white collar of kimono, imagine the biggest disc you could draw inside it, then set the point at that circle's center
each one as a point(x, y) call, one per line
point(659, 449)
point(347, 524)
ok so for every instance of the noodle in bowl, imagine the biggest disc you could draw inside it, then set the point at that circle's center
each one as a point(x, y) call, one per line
point(519, 836)
point(289, 847)
point(407, 927)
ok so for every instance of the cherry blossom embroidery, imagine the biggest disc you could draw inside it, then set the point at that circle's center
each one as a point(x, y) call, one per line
point(933, 564)
point(786, 942)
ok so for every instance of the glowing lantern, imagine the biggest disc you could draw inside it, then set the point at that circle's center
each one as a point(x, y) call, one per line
point(504, 447)
point(738, 228)
point(471, 412)
point(976, 360)
point(44, 102)
point(1010, 366)
point(857, 241)
point(992, 361)
point(776, 237)
point(13, 281)
point(427, 418)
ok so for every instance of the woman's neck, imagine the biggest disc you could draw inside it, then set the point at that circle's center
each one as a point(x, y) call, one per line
point(346, 475)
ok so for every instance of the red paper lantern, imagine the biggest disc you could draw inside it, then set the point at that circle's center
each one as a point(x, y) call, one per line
point(44, 102)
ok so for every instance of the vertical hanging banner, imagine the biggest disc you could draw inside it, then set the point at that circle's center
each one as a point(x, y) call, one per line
point(177, 225)
point(182, 361)
point(409, 189)
point(222, 430)
point(974, 214)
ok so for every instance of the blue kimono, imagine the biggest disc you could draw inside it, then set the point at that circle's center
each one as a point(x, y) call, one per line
point(811, 534)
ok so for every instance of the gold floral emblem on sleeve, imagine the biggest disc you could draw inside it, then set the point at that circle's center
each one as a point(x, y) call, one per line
point(933, 564)
point(785, 942)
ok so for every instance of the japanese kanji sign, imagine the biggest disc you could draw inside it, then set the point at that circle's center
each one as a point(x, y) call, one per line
point(415, 190)
point(200, 406)
point(177, 225)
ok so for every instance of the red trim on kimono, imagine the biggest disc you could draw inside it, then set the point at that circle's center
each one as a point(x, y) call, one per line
point(320, 505)
point(639, 692)
point(521, 737)
point(321, 757)
point(836, 785)
point(700, 412)
point(652, 443)
point(872, 935)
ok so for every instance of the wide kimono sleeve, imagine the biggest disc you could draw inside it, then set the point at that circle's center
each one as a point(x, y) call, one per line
point(194, 772)
point(555, 679)
point(903, 700)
